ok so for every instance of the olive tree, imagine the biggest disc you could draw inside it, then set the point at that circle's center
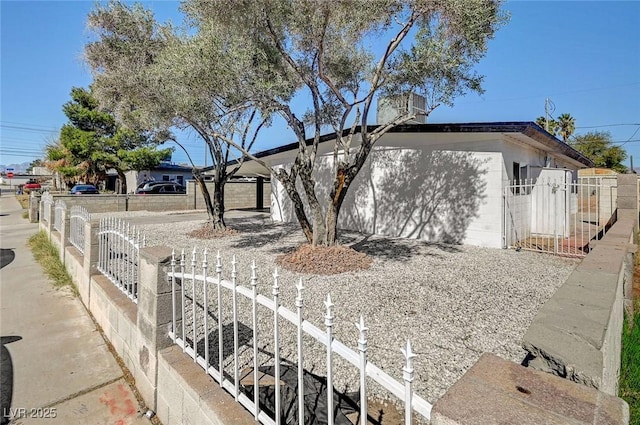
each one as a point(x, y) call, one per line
point(342, 56)
point(162, 78)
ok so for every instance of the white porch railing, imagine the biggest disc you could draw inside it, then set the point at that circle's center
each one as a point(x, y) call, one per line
point(60, 208)
point(47, 201)
point(191, 283)
point(119, 254)
point(79, 215)
point(557, 216)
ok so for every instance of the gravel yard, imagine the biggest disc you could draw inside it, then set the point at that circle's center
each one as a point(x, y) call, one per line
point(453, 302)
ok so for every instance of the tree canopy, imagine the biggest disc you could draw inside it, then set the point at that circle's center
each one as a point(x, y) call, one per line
point(595, 145)
point(161, 78)
point(598, 147)
point(92, 143)
point(342, 56)
point(317, 65)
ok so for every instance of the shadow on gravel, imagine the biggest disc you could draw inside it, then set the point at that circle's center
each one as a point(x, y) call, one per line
point(395, 249)
point(258, 233)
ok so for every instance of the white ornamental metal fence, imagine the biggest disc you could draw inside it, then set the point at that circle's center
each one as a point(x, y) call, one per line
point(47, 201)
point(558, 216)
point(60, 208)
point(78, 216)
point(119, 254)
point(216, 322)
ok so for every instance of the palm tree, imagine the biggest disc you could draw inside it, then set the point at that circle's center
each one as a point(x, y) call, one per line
point(566, 126)
point(553, 125)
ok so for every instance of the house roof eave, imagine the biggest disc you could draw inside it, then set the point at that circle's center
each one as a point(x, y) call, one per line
point(527, 128)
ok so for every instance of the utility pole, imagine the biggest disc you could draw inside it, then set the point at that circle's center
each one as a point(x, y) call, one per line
point(549, 108)
point(546, 114)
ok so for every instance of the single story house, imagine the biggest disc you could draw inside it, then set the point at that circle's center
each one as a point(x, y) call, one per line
point(166, 171)
point(436, 182)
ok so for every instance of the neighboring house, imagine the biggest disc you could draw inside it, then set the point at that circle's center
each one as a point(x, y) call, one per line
point(41, 171)
point(436, 182)
point(164, 172)
point(21, 179)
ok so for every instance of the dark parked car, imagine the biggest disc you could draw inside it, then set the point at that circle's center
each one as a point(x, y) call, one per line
point(160, 188)
point(84, 189)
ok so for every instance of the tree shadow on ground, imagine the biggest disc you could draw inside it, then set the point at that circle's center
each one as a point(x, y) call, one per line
point(260, 232)
point(395, 248)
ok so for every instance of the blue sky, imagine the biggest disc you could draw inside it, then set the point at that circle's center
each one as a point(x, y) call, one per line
point(583, 55)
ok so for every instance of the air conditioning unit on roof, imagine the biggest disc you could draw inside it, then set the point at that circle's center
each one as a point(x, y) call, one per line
point(389, 108)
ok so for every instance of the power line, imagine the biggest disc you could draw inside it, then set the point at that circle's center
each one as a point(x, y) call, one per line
point(622, 142)
point(630, 138)
point(607, 125)
point(31, 125)
point(27, 152)
point(31, 129)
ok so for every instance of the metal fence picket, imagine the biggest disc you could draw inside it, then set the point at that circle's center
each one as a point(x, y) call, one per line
point(119, 254)
point(78, 217)
point(60, 208)
point(180, 274)
point(47, 202)
point(557, 216)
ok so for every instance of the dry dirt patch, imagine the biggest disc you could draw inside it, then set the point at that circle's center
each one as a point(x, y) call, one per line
point(324, 260)
point(207, 231)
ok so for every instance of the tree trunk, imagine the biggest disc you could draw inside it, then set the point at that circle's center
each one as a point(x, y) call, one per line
point(298, 206)
point(344, 177)
point(215, 216)
point(336, 197)
point(332, 224)
point(217, 220)
point(319, 234)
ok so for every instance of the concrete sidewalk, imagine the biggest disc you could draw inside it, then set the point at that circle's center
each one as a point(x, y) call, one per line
point(54, 365)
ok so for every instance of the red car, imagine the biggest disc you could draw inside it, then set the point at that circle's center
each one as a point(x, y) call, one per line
point(31, 185)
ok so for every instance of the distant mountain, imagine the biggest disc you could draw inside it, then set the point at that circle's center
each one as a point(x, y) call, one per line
point(17, 168)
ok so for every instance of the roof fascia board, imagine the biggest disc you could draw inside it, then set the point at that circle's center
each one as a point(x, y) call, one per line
point(529, 129)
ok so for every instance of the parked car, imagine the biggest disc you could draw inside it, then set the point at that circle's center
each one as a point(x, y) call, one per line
point(84, 189)
point(162, 187)
point(31, 185)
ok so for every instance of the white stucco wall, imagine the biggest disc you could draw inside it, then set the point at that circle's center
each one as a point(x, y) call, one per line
point(435, 187)
point(434, 195)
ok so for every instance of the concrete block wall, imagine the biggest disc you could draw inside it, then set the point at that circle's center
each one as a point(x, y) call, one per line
point(574, 345)
point(116, 314)
point(186, 395)
point(237, 195)
point(170, 383)
point(154, 318)
point(577, 333)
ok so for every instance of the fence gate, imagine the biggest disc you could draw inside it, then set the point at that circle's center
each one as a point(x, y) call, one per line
point(557, 215)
